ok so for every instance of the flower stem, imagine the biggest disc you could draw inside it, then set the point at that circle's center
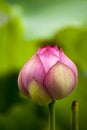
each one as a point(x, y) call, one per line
point(75, 115)
point(52, 115)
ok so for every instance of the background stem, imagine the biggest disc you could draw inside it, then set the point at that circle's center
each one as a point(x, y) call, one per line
point(75, 115)
point(52, 115)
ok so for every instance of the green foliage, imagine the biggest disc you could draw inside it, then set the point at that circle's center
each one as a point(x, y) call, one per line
point(69, 33)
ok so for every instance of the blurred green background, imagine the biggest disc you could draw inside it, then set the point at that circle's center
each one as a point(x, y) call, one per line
point(26, 25)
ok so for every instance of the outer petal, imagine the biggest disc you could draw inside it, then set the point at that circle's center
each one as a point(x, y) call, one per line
point(60, 81)
point(38, 94)
point(65, 60)
point(48, 56)
point(21, 85)
point(32, 69)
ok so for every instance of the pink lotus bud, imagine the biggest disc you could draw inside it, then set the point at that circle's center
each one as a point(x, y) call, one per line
point(48, 75)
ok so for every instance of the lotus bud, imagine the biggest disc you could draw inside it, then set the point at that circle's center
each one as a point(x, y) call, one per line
point(48, 75)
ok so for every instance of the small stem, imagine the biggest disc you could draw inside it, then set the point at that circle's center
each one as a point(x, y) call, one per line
point(75, 115)
point(52, 115)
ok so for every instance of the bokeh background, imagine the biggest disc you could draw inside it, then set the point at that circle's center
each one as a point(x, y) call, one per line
point(26, 25)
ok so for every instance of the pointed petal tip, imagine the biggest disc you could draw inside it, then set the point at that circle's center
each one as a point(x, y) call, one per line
point(55, 47)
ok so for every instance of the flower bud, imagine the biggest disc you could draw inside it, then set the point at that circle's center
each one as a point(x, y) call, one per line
point(48, 75)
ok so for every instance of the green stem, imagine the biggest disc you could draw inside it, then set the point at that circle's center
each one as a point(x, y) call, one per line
point(75, 115)
point(52, 115)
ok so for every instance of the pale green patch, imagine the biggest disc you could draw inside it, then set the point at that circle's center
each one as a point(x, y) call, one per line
point(64, 79)
point(38, 94)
